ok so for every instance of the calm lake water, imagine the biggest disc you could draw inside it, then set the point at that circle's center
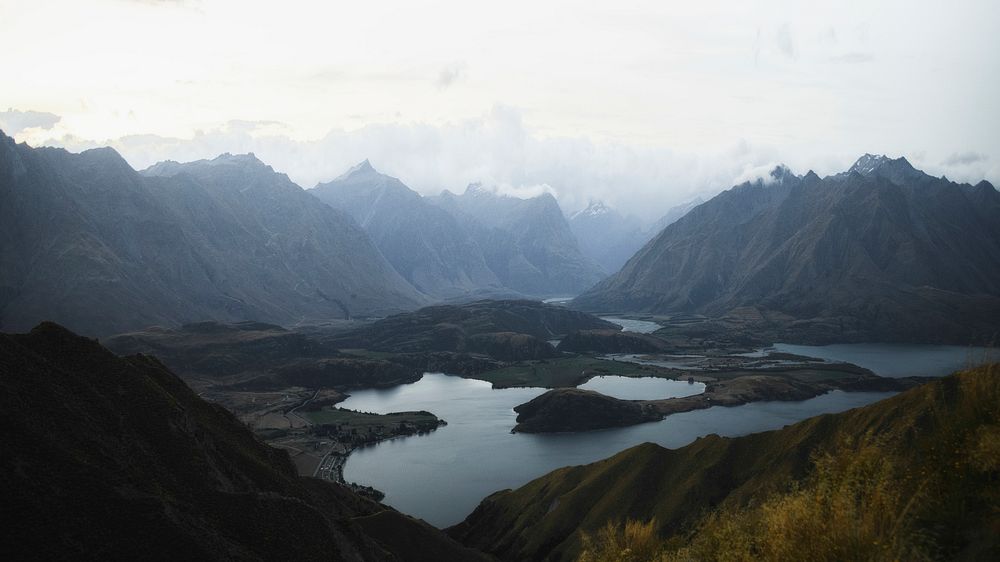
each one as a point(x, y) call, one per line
point(642, 388)
point(442, 476)
point(628, 325)
point(898, 360)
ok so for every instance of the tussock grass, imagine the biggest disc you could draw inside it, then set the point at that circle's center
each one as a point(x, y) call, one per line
point(926, 490)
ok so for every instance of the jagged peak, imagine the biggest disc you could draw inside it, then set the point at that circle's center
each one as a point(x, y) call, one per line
point(363, 167)
point(478, 189)
point(780, 172)
point(595, 208)
point(229, 158)
point(873, 163)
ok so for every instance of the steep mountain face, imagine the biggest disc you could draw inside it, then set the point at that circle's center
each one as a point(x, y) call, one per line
point(919, 467)
point(610, 239)
point(672, 215)
point(606, 236)
point(87, 241)
point(881, 252)
point(116, 459)
point(527, 242)
point(424, 243)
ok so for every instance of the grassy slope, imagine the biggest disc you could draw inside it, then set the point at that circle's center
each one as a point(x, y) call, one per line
point(99, 451)
point(928, 428)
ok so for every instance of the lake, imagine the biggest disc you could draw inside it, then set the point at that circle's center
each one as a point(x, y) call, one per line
point(898, 360)
point(629, 325)
point(641, 388)
point(442, 476)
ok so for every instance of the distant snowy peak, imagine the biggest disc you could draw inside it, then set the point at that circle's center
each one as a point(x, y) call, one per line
point(874, 164)
point(359, 169)
point(595, 209)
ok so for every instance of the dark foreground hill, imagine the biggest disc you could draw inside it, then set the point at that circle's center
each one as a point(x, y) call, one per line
point(110, 458)
point(883, 252)
point(914, 477)
point(88, 242)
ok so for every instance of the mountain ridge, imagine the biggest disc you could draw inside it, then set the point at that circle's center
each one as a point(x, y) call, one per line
point(88, 241)
point(857, 257)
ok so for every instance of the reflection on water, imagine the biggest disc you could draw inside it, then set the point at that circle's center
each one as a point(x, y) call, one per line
point(638, 326)
point(642, 388)
point(441, 477)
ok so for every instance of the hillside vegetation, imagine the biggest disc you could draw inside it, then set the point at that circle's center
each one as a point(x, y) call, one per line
point(914, 477)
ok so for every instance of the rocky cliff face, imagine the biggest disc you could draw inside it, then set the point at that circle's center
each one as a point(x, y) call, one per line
point(882, 251)
point(89, 242)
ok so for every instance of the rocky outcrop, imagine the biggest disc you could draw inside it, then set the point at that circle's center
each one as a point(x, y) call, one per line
point(572, 409)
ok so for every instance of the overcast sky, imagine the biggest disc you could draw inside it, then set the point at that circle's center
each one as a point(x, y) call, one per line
point(642, 104)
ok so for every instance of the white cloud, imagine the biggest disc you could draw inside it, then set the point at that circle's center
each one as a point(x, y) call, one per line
point(451, 74)
point(14, 121)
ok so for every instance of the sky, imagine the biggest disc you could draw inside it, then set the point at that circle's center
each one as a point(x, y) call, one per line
point(643, 105)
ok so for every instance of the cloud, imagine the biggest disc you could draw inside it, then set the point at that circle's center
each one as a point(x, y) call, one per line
point(500, 151)
point(14, 121)
point(496, 149)
point(785, 41)
point(761, 173)
point(450, 74)
point(245, 126)
point(853, 58)
point(964, 159)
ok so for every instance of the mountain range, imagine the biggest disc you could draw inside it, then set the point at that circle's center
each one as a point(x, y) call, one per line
point(462, 247)
point(881, 252)
point(526, 242)
point(610, 238)
point(88, 241)
point(423, 242)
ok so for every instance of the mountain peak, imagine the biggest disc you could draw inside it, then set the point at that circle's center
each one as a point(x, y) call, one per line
point(478, 189)
point(229, 158)
point(360, 169)
point(881, 164)
point(780, 172)
point(594, 209)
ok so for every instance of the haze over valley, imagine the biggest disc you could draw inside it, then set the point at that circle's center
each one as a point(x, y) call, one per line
point(556, 282)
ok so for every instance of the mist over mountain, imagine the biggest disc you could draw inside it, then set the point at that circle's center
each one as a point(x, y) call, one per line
point(87, 241)
point(610, 238)
point(526, 242)
point(423, 242)
point(882, 251)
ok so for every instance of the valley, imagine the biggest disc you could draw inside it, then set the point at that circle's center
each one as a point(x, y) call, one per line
point(368, 417)
point(500, 281)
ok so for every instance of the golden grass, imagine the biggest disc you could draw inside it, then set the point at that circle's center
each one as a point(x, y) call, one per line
point(933, 493)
